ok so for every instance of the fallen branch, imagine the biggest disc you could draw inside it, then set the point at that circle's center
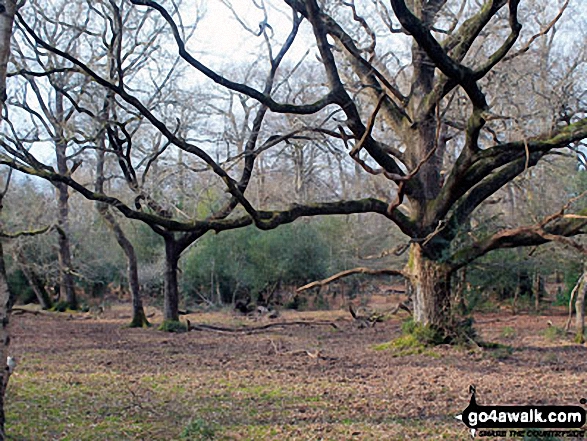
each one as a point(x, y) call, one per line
point(254, 329)
point(350, 272)
point(21, 311)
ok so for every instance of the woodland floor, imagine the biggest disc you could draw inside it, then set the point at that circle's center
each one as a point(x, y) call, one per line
point(94, 379)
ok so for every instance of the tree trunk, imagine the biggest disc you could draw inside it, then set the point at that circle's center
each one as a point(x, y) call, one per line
point(42, 295)
point(430, 282)
point(66, 284)
point(580, 308)
point(171, 291)
point(538, 290)
point(139, 319)
point(7, 12)
point(66, 278)
point(459, 296)
point(5, 306)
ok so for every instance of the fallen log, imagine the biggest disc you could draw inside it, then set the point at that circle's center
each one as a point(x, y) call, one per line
point(254, 329)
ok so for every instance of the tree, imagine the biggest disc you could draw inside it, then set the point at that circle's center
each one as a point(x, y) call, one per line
point(422, 116)
point(7, 11)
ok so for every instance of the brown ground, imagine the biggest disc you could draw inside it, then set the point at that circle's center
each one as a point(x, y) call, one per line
point(94, 379)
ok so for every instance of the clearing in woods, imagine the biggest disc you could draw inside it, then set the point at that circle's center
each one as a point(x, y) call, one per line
point(94, 379)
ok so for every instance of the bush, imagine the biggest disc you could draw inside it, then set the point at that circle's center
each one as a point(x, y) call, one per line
point(20, 288)
point(248, 261)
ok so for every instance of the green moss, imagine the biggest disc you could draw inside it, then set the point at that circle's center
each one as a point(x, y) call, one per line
point(140, 321)
point(405, 345)
point(423, 334)
point(173, 326)
point(199, 430)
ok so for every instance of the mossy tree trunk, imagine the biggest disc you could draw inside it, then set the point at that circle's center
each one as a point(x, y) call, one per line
point(430, 282)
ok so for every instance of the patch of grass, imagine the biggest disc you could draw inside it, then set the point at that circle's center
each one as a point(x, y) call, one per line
point(199, 430)
point(458, 333)
point(421, 334)
point(508, 333)
point(553, 333)
point(405, 345)
point(173, 326)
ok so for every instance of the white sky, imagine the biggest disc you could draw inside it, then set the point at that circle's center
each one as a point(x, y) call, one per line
point(220, 39)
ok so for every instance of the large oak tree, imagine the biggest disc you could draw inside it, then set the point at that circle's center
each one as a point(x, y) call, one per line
point(418, 92)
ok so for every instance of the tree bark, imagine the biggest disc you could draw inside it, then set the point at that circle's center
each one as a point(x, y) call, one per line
point(430, 282)
point(171, 291)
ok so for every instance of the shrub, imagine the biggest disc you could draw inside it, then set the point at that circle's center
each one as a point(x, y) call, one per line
point(247, 261)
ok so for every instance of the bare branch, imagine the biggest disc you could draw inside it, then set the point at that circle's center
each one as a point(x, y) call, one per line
point(350, 272)
point(237, 87)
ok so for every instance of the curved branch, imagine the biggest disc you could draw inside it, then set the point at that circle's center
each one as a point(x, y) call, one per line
point(524, 236)
point(470, 170)
point(350, 272)
point(237, 87)
point(25, 233)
